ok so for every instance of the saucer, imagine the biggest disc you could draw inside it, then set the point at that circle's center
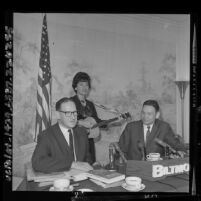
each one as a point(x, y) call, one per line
point(85, 190)
point(70, 188)
point(128, 188)
point(154, 159)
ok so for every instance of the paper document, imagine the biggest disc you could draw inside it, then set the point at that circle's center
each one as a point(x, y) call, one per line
point(74, 174)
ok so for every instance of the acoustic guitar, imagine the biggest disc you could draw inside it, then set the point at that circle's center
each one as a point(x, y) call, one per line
point(94, 131)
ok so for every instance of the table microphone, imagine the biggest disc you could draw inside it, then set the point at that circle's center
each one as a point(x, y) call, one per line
point(163, 144)
point(142, 150)
point(116, 146)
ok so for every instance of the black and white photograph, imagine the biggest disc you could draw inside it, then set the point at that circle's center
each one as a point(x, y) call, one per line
point(102, 102)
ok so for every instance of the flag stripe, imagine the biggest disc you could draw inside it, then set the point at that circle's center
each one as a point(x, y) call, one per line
point(43, 107)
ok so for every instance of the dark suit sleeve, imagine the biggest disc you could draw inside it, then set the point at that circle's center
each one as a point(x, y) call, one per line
point(172, 141)
point(82, 145)
point(88, 157)
point(43, 159)
point(124, 140)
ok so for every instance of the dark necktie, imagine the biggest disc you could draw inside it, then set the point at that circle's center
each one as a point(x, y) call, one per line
point(71, 141)
point(148, 133)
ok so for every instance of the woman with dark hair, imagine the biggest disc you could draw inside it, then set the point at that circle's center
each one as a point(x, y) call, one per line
point(87, 115)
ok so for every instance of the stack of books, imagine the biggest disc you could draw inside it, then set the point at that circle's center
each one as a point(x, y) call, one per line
point(106, 178)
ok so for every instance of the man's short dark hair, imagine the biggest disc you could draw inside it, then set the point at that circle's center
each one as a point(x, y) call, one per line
point(153, 103)
point(61, 101)
point(81, 77)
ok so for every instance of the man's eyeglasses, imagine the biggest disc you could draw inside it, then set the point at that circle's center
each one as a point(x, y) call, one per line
point(69, 113)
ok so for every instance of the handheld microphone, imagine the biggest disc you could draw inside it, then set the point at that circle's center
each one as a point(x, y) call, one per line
point(116, 146)
point(163, 144)
point(142, 149)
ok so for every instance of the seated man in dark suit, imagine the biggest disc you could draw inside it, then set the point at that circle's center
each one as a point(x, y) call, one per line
point(64, 144)
point(138, 137)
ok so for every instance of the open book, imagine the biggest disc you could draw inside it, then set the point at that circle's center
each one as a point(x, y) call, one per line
point(105, 176)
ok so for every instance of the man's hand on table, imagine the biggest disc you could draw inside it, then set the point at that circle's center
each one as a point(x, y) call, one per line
point(97, 165)
point(180, 154)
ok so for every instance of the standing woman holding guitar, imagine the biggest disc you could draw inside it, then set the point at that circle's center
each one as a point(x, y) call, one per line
point(87, 114)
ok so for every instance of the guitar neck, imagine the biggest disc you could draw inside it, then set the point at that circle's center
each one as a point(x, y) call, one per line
point(105, 122)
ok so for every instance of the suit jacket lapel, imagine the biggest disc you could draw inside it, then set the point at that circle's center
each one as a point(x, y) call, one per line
point(141, 133)
point(153, 132)
point(61, 139)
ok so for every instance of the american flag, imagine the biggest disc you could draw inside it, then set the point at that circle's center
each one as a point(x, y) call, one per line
point(43, 109)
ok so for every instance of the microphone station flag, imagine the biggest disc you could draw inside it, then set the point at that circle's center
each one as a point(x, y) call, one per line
point(43, 108)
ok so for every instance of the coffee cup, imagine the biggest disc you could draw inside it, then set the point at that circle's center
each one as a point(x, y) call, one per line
point(61, 184)
point(133, 182)
point(153, 156)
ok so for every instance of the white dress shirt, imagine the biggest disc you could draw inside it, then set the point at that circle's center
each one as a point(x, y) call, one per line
point(65, 133)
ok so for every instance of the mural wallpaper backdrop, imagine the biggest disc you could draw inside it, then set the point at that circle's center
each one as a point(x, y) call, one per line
point(126, 69)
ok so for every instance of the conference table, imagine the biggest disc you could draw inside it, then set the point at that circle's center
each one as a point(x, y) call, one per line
point(174, 183)
point(177, 183)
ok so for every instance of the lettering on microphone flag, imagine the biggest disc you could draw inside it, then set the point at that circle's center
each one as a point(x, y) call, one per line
point(43, 108)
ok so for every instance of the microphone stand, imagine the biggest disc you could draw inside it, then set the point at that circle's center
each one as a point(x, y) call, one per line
point(167, 152)
point(167, 148)
point(120, 161)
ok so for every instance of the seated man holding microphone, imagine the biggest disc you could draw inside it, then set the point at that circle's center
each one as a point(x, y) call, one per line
point(64, 144)
point(149, 135)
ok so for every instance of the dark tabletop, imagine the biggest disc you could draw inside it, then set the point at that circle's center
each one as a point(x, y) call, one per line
point(177, 183)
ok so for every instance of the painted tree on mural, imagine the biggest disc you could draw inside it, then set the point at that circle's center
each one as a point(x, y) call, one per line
point(24, 102)
point(168, 96)
point(129, 100)
point(168, 74)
